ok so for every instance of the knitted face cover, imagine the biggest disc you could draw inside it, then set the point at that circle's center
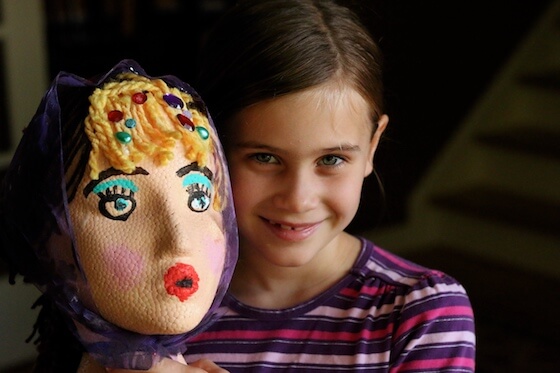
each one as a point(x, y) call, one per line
point(117, 206)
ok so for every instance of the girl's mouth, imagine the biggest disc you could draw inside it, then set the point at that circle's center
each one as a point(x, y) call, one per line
point(291, 232)
point(287, 227)
point(181, 280)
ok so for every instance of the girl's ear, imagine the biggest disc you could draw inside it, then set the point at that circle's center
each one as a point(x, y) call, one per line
point(381, 125)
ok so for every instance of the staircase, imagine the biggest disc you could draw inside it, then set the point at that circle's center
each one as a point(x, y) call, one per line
point(488, 210)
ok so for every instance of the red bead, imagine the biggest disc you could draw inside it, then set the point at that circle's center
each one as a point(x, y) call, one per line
point(186, 122)
point(139, 98)
point(115, 115)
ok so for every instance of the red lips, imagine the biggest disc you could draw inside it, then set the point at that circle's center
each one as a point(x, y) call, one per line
point(181, 280)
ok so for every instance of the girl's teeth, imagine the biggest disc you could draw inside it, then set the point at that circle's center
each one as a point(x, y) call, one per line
point(285, 227)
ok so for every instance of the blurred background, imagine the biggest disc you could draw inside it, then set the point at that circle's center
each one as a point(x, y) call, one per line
point(469, 164)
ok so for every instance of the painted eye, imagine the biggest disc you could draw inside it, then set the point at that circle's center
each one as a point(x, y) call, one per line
point(199, 197)
point(116, 198)
point(198, 185)
point(117, 206)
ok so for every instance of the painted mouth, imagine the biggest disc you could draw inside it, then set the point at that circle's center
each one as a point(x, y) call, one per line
point(181, 280)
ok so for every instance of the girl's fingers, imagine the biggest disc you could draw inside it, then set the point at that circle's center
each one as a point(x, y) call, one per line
point(207, 366)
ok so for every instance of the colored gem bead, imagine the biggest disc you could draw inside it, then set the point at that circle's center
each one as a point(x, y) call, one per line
point(173, 101)
point(130, 123)
point(203, 132)
point(123, 137)
point(139, 98)
point(186, 122)
point(188, 114)
point(115, 115)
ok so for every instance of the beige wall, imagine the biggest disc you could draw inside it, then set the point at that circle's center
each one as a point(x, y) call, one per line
point(23, 35)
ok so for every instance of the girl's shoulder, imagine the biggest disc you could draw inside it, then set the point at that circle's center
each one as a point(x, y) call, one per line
point(384, 268)
point(385, 281)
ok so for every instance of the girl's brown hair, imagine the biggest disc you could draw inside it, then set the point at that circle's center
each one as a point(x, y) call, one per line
point(268, 48)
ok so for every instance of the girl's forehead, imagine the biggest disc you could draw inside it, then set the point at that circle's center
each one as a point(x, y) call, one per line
point(304, 122)
point(328, 102)
point(333, 94)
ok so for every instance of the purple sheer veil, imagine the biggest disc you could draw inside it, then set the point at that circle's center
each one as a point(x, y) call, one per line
point(37, 237)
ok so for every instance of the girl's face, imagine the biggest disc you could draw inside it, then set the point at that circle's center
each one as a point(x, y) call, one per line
point(297, 166)
point(151, 244)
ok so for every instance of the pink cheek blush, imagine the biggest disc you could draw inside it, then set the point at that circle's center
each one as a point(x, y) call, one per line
point(124, 266)
point(215, 247)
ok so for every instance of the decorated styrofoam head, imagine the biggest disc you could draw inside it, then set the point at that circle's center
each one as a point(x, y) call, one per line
point(117, 205)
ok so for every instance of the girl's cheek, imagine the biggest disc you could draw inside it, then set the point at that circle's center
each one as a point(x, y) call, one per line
point(124, 266)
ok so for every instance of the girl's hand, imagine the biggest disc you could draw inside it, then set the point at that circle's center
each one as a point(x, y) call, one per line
point(207, 366)
point(89, 365)
point(171, 366)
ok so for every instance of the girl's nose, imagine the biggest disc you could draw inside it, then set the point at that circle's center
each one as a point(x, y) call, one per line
point(298, 191)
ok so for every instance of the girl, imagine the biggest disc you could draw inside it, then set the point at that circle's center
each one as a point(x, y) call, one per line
point(295, 87)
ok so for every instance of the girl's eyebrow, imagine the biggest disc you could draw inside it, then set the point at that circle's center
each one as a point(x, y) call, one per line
point(108, 173)
point(194, 167)
point(344, 147)
point(256, 145)
point(253, 145)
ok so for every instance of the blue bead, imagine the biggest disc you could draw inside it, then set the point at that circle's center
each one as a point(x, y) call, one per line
point(130, 123)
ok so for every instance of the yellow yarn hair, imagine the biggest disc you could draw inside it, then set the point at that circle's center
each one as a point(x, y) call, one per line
point(157, 126)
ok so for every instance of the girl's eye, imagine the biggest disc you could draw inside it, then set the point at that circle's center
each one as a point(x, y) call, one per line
point(264, 158)
point(199, 197)
point(331, 160)
point(116, 203)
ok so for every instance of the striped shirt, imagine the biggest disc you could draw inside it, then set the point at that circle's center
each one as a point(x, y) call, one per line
point(386, 315)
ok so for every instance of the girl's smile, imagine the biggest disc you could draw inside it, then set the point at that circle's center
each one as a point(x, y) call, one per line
point(291, 232)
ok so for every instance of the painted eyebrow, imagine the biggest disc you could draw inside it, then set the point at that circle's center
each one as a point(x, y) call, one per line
point(194, 167)
point(108, 173)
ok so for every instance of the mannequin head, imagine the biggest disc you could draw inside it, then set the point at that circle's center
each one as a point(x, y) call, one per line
point(132, 233)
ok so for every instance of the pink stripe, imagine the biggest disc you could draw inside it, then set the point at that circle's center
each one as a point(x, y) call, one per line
point(288, 334)
point(397, 260)
point(432, 315)
point(456, 362)
point(370, 290)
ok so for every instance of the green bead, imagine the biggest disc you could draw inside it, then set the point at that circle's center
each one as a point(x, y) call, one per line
point(123, 137)
point(203, 132)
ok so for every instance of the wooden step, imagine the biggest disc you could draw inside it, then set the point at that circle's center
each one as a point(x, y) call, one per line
point(539, 140)
point(549, 80)
point(518, 210)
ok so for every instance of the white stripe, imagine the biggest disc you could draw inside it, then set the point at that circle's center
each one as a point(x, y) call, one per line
point(443, 338)
point(295, 358)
